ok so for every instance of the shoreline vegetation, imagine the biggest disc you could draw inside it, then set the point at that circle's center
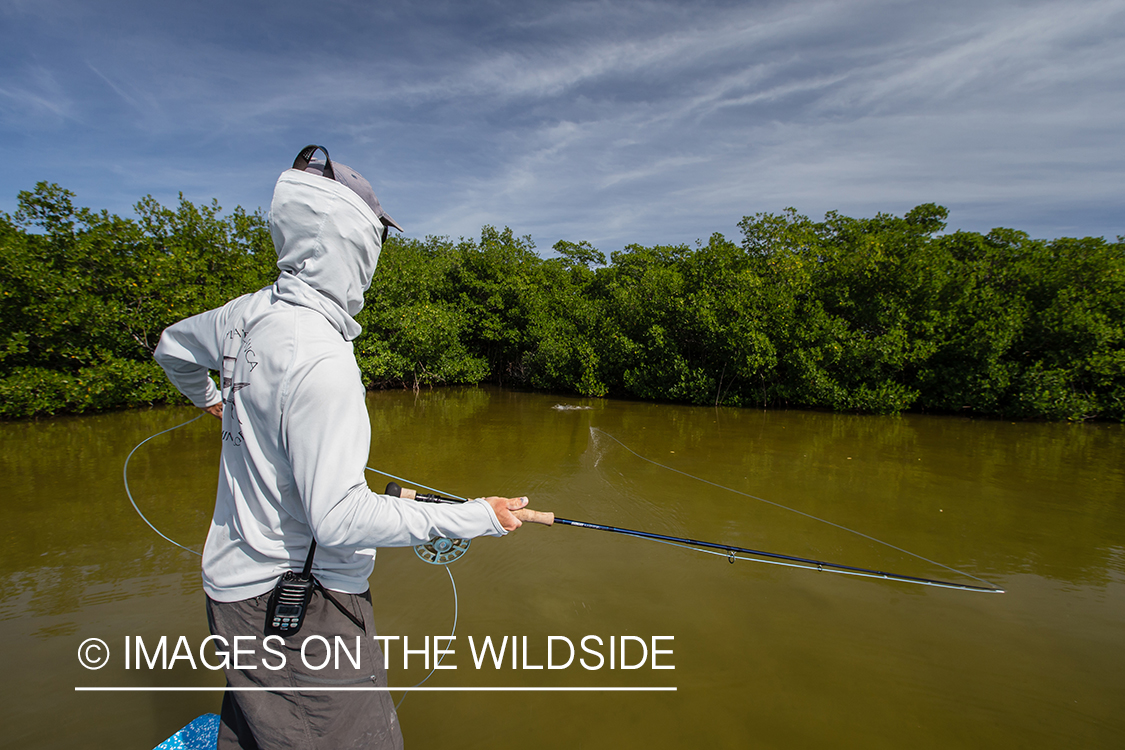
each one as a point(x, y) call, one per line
point(879, 315)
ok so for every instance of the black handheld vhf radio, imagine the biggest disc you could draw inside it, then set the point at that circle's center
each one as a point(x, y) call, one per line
point(290, 599)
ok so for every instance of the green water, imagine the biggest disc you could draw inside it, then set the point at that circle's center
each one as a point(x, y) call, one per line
point(765, 657)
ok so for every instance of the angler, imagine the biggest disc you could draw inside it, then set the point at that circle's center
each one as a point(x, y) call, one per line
point(293, 537)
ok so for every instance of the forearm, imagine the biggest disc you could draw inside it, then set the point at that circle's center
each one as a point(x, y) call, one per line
point(191, 380)
point(188, 350)
point(367, 519)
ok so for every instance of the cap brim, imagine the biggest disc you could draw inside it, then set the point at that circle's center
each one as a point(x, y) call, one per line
point(388, 220)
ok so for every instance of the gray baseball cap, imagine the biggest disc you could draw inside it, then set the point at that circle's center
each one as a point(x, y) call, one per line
point(344, 175)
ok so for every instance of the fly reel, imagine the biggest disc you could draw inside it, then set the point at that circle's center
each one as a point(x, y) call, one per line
point(441, 550)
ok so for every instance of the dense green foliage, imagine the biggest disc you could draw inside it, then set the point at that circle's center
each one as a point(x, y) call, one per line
point(876, 315)
point(85, 295)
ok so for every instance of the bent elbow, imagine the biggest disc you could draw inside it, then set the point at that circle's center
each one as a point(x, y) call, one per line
point(347, 523)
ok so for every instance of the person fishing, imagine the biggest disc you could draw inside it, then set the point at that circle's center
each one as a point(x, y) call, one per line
point(292, 494)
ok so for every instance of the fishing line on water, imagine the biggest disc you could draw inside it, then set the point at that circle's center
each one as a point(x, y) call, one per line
point(791, 510)
point(129, 494)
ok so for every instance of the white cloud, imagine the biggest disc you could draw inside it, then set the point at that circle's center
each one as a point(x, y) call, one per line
point(642, 122)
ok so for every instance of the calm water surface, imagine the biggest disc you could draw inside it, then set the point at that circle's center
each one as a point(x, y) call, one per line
point(764, 657)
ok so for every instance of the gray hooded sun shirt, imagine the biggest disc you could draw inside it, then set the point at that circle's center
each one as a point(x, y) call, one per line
point(296, 435)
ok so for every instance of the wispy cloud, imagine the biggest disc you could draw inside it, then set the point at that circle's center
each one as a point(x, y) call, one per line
point(615, 121)
point(125, 97)
point(34, 95)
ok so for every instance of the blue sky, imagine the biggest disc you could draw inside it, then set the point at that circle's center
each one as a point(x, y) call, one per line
point(612, 122)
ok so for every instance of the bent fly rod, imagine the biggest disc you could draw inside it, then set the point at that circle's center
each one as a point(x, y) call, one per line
point(446, 550)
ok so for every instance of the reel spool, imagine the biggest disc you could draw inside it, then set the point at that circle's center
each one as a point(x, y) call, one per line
point(441, 550)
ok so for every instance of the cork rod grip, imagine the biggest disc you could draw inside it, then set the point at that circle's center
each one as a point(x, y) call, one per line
point(527, 515)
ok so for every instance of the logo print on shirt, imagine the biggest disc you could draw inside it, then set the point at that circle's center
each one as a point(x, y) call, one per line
point(231, 387)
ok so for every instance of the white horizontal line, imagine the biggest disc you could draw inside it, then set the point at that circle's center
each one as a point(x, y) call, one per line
point(508, 689)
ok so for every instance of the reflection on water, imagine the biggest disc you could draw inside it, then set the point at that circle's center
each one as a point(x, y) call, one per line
point(764, 656)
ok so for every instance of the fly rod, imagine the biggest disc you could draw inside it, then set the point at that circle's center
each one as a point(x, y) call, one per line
point(732, 552)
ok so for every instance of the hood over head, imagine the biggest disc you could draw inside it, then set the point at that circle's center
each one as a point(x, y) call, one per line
point(328, 241)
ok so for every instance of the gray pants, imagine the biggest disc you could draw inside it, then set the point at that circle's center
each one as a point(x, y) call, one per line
point(305, 720)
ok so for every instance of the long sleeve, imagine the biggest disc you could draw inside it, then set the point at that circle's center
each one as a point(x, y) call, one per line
point(190, 348)
point(327, 436)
